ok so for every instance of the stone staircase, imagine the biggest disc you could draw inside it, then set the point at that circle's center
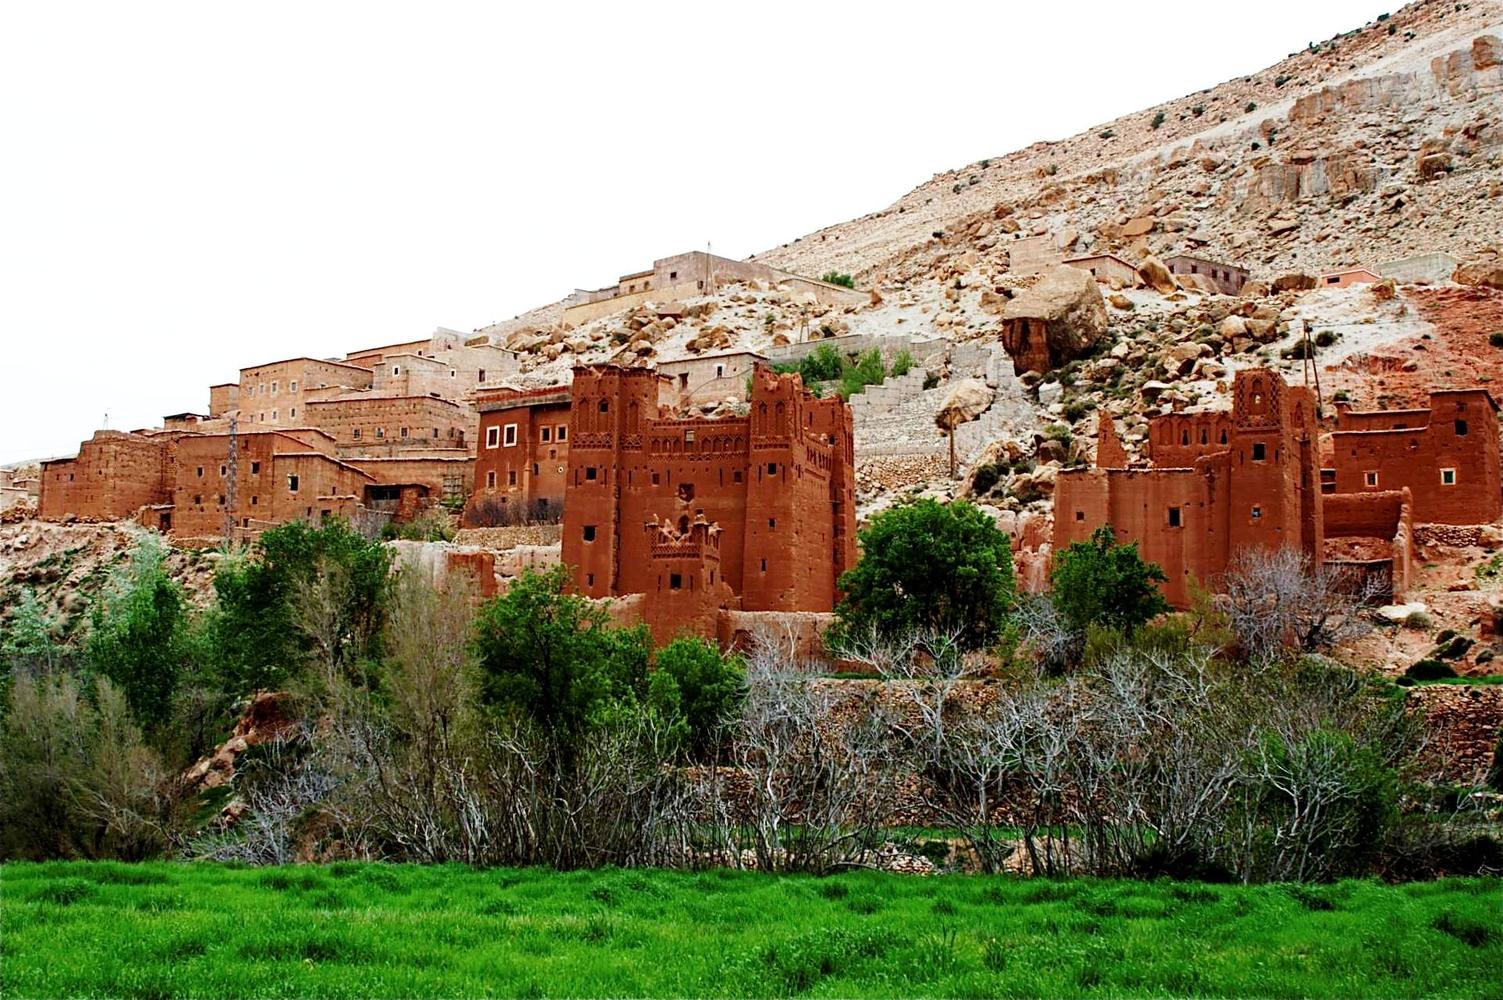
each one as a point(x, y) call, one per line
point(897, 417)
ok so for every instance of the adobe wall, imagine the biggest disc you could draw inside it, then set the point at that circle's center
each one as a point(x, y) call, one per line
point(1447, 457)
point(405, 421)
point(587, 311)
point(1220, 482)
point(712, 376)
point(261, 489)
point(446, 476)
point(1137, 503)
point(275, 394)
point(535, 465)
point(1176, 440)
point(1225, 278)
point(114, 475)
point(1106, 268)
point(1387, 515)
point(224, 398)
point(778, 485)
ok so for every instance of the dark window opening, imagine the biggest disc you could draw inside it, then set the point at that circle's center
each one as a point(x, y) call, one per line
point(589, 532)
point(772, 468)
point(1259, 451)
point(589, 472)
point(1461, 428)
point(675, 581)
point(1174, 517)
point(1080, 515)
point(292, 484)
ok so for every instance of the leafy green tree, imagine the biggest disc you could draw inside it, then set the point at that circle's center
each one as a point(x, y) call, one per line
point(259, 630)
point(139, 634)
point(554, 658)
point(696, 685)
point(28, 638)
point(1098, 582)
point(928, 566)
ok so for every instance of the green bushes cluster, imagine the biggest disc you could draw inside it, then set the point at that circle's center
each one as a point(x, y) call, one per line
point(851, 373)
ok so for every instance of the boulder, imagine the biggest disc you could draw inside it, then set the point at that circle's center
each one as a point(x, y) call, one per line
point(1488, 273)
point(1068, 303)
point(966, 401)
point(1294, 282)
point(1156, 275)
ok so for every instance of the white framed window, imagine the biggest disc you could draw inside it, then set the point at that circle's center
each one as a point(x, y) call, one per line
point(1448, 477)
point(563, 433)
point(1371, 478)
point(490, 480)
point(545, 434)
point(509, 437)
point(273, 388)
point(292, 386)
point(396, 369)
point(493, 437)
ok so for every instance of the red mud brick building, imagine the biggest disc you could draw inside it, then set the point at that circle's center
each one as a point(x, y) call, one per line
point(706, 515)
point(1446, 456)
point(1217, 482)
point(522, 451)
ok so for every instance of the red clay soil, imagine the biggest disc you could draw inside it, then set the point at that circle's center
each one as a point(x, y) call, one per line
point(1456, 356)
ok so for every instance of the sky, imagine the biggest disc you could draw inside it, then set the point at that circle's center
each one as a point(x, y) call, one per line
point(187, 189)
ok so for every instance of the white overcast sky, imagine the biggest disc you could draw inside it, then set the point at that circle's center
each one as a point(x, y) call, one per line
point(186, 189)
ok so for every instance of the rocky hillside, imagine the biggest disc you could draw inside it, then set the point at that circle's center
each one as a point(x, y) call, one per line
point(1373, 145)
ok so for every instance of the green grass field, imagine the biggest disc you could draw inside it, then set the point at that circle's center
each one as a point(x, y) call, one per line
point(167, 930)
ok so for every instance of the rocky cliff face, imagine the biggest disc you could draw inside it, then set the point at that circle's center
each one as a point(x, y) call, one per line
point(1370, 146)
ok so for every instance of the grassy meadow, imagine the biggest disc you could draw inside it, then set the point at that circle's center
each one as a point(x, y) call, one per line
point(169, 930)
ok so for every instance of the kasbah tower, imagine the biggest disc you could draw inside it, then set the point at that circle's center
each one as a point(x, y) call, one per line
point(703, 516)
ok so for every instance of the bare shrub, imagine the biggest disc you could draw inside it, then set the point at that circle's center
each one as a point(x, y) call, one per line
point(1278, 601)
point(819, 760)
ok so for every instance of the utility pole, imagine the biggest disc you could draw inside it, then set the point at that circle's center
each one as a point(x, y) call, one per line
point(232, 480)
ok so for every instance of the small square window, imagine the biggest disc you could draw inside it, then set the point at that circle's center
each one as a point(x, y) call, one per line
point(1371, 478)
point(563, 432)
point(547, 434)
point(736, 476)
point(510, 437)
point(255, 468)
point(380, 432)
point(1448, 477)
point(490, 480)
point(656, 478)
point(511, 477)
point(493, 437)
point(1080, 515)
point(675, 581)
point(292, 483)
point(1259, 451)
point(589, 532)
point(357, 434)
point(1174, 516)
point(1461, 428)
point(772, 522)
point(589, 473)
point(772, 468)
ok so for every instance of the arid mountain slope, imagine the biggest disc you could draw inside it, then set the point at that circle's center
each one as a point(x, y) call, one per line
point(1372, 145)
